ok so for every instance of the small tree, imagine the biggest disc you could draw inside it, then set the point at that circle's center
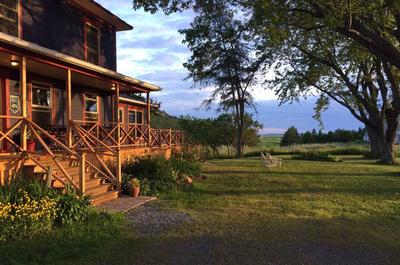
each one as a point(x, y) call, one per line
point(290, 137)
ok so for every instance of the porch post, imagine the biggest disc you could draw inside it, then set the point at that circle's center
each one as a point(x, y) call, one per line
point(118, 153)
point(69, 108)
point(148, 108)
point(82, 173)
point(24, 103)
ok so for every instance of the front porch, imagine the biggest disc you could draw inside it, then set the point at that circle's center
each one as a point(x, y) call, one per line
point(64, 119)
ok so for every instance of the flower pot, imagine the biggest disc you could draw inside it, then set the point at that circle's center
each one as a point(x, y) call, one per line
point(31, 146)
point(135, 192)
point(189, 180)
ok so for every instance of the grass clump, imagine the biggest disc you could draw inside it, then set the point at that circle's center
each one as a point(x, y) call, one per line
point(317, 156)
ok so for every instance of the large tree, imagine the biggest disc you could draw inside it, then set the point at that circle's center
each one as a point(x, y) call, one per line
point(375, 25)
point(346, 51)
point(223, 58)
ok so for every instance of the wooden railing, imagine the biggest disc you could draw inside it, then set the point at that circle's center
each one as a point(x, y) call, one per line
point(97, 139)
point(12, 139)
point(104, 136)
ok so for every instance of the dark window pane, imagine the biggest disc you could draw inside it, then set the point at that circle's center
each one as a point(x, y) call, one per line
point(41, 96)
point(12, 4)
point(121, 115)
point(91, 116)
point(139, 116)
point(132, 116)
point(92, 58)
point(92, 44)
point(9, 17)
point(91, 103)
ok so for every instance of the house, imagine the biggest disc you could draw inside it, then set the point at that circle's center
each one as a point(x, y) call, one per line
point(63, 108)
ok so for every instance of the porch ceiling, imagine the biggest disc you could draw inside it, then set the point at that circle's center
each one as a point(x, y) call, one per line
point(54, 72)
point(49, 57)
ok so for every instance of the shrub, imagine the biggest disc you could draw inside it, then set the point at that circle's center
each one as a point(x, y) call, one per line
point(185, 167)
point(26, 217)
point(154, 173)
point(317, 156)
point(158, 175)
point(71, 208)
point(29, 208)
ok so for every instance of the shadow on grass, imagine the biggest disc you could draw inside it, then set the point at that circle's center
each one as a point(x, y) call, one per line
point(292, 242)
point(224, 172)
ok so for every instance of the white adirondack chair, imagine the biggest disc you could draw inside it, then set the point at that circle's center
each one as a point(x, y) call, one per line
point(270, 161)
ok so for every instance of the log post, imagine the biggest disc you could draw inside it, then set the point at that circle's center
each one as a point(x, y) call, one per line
point(170, 138)
point(82, 173)
point(118, 153)
point(148, 108)
point(119, 170)
point(69, 108)
point(24, 103)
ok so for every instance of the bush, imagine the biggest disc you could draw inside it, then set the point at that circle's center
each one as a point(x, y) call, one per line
point(317, 156)
point(27, 217)
point(71, 208)
point(29, 208)
point(158, 175)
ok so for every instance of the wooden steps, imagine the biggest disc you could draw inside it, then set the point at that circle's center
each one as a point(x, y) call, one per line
point(105, 197)
point(97, 188)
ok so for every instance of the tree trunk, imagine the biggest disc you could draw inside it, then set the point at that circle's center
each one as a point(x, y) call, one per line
point(239, 143)
point(374, 142)
point(388, 156)
point(389, 138)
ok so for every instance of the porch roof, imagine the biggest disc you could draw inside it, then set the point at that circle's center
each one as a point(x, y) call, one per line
point(136, 102)
point(21, 47)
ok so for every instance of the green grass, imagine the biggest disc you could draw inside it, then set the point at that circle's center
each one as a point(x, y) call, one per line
point(270, 141)
point(304, 213)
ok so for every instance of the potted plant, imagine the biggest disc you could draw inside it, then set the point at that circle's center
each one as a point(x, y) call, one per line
point(31, 144)
point(134, 187)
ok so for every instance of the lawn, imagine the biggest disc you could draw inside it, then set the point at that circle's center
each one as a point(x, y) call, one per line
point(242, 213)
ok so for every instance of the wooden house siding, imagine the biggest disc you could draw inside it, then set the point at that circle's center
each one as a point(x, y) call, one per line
point(58, 25)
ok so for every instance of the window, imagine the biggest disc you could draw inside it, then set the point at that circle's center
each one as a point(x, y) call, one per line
point(92, 45)
point(139, 117)
point(121, 115)
point(41, 96)
point(135, 117)
point(9, 20)
point(132, 116)
point(91, 108)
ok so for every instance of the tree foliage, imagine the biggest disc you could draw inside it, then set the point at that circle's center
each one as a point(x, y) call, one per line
point(218, 132)
point(290, 137)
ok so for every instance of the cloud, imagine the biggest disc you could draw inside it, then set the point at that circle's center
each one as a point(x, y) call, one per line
point(154, 52)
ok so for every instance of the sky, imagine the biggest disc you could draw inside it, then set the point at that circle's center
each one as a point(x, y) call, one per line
point(153, 52)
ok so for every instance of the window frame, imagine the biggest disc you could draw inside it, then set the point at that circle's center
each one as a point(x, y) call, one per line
point(136, 116)
point(85, 97)
point(129, 114)
point(18, 11)
point(138, 111)
point(87, 24)
point(121, 115)
point(42, 85)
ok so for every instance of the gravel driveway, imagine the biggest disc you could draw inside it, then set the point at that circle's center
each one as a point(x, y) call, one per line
point(151, 219)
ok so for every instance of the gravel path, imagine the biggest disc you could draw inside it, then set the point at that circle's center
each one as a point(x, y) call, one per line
point(150, 219)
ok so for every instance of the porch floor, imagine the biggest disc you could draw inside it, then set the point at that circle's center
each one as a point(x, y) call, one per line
point(124, 203)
